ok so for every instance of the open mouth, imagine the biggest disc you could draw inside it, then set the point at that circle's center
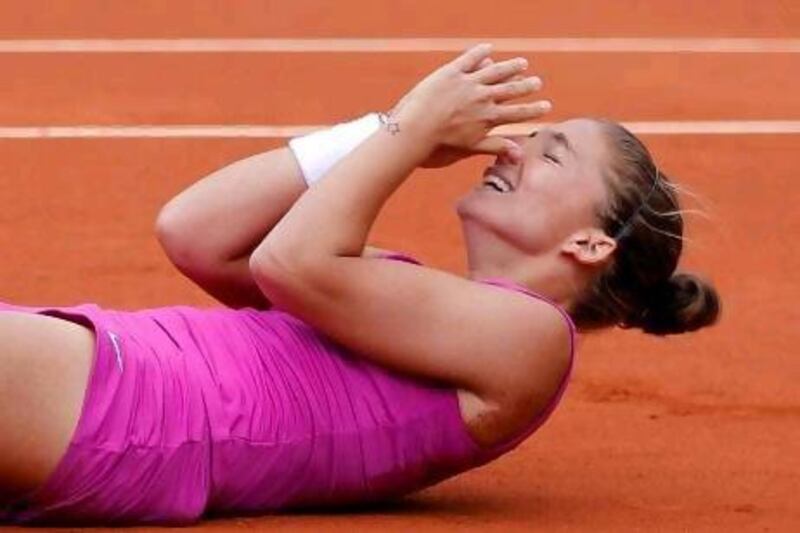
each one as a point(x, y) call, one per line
point(497, 183)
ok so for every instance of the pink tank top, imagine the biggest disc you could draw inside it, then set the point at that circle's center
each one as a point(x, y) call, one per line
point(480, 455)
point(293, 419)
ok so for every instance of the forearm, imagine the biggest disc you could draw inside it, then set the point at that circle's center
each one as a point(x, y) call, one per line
point(224, 216)
point(453, 106)
point(342, 208)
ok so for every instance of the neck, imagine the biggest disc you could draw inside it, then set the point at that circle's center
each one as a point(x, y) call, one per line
point(550, 274)
point(554, 278)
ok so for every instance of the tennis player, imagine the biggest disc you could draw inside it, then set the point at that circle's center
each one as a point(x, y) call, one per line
point(339, 373)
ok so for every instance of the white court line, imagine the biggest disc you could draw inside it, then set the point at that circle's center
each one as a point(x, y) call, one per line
point(614, 44)
point(729, 127)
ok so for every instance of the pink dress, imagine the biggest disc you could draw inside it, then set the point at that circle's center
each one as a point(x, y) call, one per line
point(204, 411)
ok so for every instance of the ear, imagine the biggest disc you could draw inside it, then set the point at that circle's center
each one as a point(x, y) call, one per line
point(590, 246)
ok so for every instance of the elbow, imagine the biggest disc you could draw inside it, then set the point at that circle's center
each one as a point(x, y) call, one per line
point(179, 243)
point(292, 280)
point(273, 275)
point(260, 263)
point(268, 264)
point(280, 272)
point(166, 227)
point(169, 233)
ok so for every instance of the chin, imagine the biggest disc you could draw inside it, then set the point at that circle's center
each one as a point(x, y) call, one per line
point(483, 244)
point(481, 218)
point(471, 206)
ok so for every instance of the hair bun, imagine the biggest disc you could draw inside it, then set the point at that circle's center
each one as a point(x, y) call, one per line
point(683, 303)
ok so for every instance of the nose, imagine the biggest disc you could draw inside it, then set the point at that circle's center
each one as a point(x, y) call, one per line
point(504, 159)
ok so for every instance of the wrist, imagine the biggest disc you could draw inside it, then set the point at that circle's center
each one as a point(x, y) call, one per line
point(405, 121)
point(317, 152)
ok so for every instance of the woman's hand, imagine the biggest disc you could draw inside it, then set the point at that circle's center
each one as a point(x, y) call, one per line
point(456, 106)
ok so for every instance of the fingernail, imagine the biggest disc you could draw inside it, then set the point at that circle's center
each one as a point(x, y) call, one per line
point(536, 81)
point(523, 63)
point(545, 105)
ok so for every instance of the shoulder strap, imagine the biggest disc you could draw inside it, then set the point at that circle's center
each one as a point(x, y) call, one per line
point(511, 285)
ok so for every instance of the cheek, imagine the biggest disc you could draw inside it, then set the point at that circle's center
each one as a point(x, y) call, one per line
point(539, 220)
point(547, 181)
point(571, 214)
point(552, 210)
point(545, 195)
point(563, 194)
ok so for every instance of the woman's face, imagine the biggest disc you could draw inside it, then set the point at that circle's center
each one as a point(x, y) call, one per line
point(536, 204)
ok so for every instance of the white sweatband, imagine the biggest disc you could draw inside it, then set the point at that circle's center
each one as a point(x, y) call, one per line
point(319, 151)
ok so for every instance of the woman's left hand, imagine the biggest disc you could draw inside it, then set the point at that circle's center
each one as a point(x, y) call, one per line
point(456, 106)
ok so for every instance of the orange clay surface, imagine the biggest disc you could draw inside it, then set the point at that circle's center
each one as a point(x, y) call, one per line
point(694, 433)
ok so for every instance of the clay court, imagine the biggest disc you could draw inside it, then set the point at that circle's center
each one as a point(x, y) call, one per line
point(693, 433)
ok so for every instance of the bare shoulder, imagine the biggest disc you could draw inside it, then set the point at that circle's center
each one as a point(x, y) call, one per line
point(494, 418)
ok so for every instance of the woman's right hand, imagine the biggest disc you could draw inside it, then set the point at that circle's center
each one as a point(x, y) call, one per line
point(456, 106)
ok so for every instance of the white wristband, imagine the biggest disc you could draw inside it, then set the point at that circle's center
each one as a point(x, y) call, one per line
point(319, 151)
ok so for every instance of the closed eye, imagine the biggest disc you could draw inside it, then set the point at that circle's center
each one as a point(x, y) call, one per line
point(552, 158)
